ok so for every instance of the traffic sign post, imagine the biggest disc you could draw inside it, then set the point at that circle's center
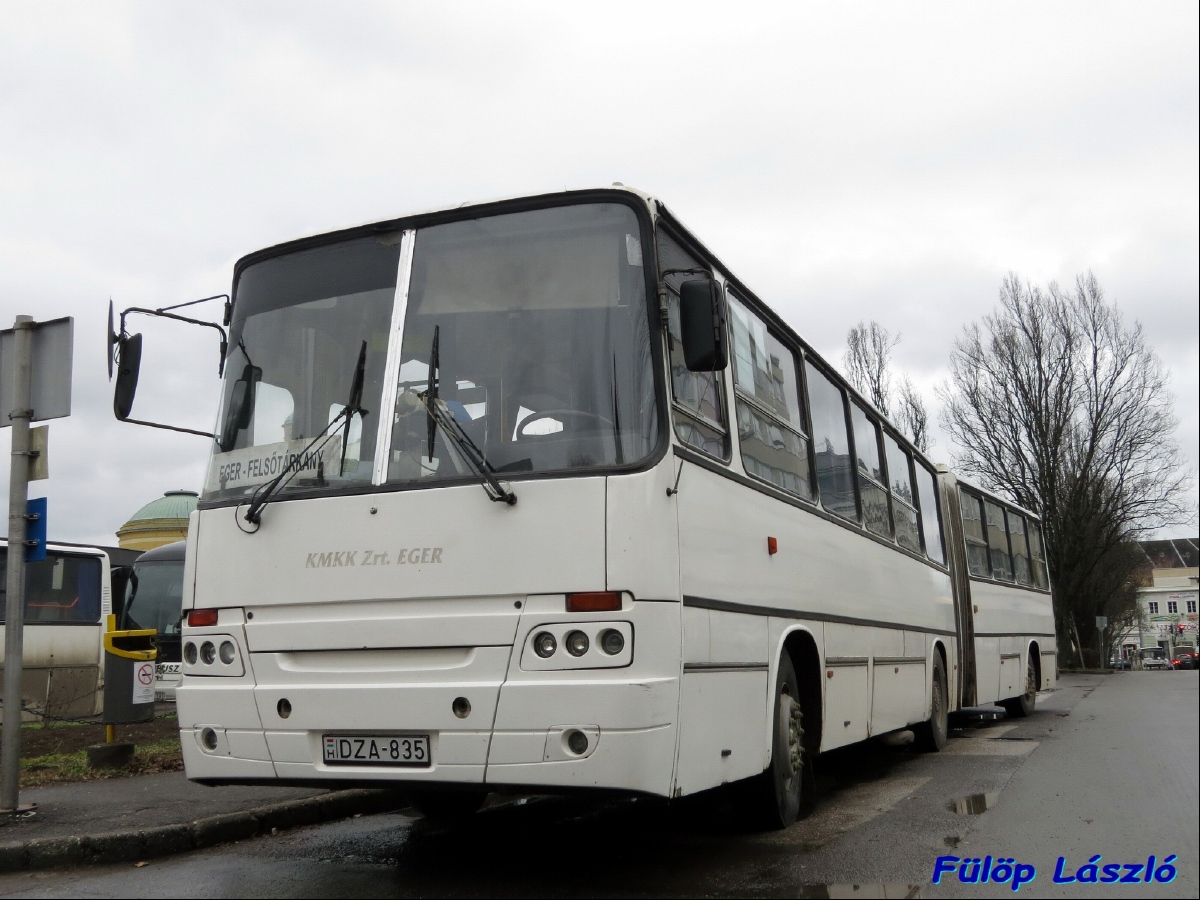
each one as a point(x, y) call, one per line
point(35, 384)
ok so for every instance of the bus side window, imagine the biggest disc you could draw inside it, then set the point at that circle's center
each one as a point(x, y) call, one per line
point(835, 473)
point(1020, 551)
point(58, 589)
point(927, 491)
point(977, 548)
point(997, 537)
point(1037, 556)
point(770, 423)
point(903, 501)
point(699, 406)
point(876, 513)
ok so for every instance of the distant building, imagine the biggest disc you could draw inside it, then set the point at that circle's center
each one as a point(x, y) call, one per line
point(1167, 596)
point(159, 522)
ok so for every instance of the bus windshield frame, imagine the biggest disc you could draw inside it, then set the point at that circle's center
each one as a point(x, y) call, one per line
point(549, 352)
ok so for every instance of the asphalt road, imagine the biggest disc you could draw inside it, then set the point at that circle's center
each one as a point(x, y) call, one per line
point(1107, 765)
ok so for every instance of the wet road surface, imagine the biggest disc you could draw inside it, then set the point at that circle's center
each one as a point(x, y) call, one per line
point(1106, 765)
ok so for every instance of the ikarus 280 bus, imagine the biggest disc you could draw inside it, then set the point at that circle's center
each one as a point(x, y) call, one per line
point(536, 495)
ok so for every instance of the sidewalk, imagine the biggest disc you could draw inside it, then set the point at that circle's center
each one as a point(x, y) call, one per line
point(135, 818)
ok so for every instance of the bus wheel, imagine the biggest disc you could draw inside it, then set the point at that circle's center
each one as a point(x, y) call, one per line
point(1020, 707)
point(772, 799)
point(931, 736)
point(448, 806)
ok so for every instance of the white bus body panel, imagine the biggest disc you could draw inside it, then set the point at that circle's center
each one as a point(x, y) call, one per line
point(724, 562)
point(1010, 622)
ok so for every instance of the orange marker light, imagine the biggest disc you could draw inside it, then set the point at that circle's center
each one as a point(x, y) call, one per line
point(202, 618)
point(772, 546)
point(596, 601)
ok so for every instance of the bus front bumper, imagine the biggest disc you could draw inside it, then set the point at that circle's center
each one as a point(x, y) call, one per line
point(489, 720)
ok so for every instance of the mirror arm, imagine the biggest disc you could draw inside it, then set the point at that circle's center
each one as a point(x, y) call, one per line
point(207, 434)
point(161, 313)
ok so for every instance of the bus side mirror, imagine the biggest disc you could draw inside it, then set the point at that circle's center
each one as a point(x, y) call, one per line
point(120, 579)
point(702, 325)
point(129, 350)
point(241, 406)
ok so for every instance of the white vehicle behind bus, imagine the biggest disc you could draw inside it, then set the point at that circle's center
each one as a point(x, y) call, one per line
point(536, 495)
point(68, 596)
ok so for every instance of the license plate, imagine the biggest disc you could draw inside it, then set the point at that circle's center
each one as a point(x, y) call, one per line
point(168, 669)
point(376, 749)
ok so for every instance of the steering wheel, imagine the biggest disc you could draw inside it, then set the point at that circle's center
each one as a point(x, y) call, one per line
point(562, 416)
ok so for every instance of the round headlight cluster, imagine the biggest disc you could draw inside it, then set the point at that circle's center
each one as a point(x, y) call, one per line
point(209, 652)
point(577, 643)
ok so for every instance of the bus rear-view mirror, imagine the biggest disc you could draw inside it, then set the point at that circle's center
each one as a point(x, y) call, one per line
point(129, 364)
point(702, 325)
point(241, 406)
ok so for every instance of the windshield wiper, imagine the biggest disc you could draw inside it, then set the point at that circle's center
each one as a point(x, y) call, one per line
point(353, 403)
point(353, 407)
point(439, 414)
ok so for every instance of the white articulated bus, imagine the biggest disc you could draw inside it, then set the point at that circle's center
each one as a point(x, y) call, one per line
point(67, 597)
point(536, 495)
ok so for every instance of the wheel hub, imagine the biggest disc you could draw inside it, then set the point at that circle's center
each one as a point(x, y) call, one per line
point(790, 719)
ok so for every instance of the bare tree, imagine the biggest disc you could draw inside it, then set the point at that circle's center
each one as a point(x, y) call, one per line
point(868, 364)
point(1056, 401)
point(911, 417)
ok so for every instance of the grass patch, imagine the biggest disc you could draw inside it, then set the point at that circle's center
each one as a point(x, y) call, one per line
point(149, 759)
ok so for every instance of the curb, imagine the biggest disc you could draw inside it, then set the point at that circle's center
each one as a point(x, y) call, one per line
point(163, 840)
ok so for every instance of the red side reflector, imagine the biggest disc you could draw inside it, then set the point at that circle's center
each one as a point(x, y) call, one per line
point(772, 546)
point(597, 601)
point(202, 618)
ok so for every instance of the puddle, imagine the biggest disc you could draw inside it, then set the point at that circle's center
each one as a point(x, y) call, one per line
point(837, 891)
point(974, 804)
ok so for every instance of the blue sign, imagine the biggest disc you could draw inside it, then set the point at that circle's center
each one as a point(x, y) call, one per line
point(35, 530)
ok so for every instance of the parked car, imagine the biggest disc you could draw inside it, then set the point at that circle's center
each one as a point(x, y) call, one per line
point(1119, 662)
point(1155, 658)
point(1185, 657)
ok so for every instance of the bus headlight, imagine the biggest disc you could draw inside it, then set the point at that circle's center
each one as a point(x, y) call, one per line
point(544, 645)
point(190, 654)
point(612, 641)
point(577, 643)
point(208, 653)
point(228, 652)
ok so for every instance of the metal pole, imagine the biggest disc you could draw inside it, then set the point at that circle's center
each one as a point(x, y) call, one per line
point(14, 613)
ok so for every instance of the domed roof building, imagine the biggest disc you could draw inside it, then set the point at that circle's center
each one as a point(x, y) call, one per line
point(159, 522)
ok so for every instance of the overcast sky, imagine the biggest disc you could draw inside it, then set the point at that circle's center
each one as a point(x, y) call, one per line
point(849, 162)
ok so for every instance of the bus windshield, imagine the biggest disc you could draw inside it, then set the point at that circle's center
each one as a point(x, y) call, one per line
point(157, 600)
point(544, 353)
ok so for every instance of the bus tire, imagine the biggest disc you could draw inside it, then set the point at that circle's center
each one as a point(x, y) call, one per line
point(772, 799)
point(932, 735)
point(448, 806)
point(1020, 707)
